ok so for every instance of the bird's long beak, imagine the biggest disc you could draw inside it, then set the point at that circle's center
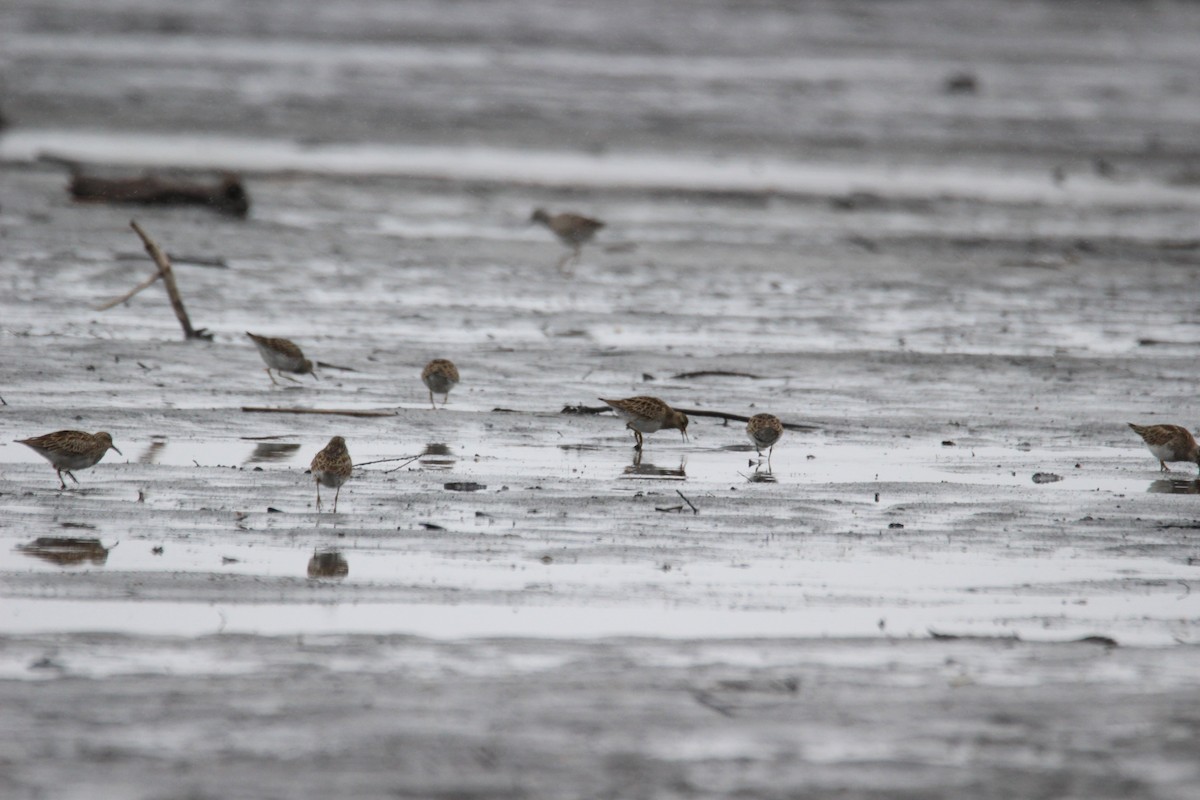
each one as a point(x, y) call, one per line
point(114, 447)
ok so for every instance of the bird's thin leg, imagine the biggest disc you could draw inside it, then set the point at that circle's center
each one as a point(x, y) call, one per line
point(272, 377)
point(637, 437)
point(562, 262)
point(318, 497)
point(60, 480)
point(431, 403)
point(1165, 468)
point(769, 452)
point(445, 399)
point(336, 494)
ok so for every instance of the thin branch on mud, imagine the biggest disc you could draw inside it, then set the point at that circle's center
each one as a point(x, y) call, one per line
point(791, 426)
point(216, 262)
point(401, 466)
point(691, 412)
point(715, 373)
point(405, 459)
point(669, 509)
point(706, 700)
point(266, 438)
point(164, 268)
point(143, 285)
point(689, 502)
point(331, 411)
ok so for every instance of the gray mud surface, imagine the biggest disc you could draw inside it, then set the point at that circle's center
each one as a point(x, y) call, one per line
point(957, 288)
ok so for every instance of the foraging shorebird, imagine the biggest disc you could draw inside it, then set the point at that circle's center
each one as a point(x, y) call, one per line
point(573, 230)
point(71, 450)
point(647, 415)
point(1168, 443)
point(281, 355)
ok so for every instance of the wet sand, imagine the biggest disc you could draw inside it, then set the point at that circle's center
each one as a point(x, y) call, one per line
point(806, 196)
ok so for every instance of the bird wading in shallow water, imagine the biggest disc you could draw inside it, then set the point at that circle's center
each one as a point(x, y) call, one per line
point(647, 415)
point(439, 375)
point(282, 356)
point(332, 467)
point(1168, 443)
point(573, 230)
point(71, 450)
point(764, 430)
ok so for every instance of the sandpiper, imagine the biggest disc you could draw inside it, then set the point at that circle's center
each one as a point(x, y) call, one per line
point(71, 450)
point(764, 430)
point(573, 230)
point(332, 467)
point(282, 356)
point(647, 415)
point(1168, 443)
point(439, 375)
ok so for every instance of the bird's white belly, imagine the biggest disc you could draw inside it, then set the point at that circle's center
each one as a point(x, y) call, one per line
point(641, 424)
point(1163, 452)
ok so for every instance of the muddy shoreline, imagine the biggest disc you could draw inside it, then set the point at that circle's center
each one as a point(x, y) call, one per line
point(957, 288)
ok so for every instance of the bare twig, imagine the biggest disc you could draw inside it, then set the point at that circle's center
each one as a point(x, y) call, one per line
point(689, 502)
point(216, 262)
point(406, 459)
point(324, 365)
point(331, 411)
point(791, 426)
point(669, 509)
point(144, 284)
point(265, 438)
point(164, 267)
point(401, 466)
point(715, 373)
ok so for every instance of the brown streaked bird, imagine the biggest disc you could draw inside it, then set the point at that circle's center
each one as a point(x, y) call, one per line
point(764, 430)
point(332, 467)
point(647, 415)
point(1168, 443)
point(439, 375)
point(71, 450)
point(282, 356)
point(573, 230)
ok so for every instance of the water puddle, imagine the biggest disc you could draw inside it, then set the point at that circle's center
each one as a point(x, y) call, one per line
point(798, 461)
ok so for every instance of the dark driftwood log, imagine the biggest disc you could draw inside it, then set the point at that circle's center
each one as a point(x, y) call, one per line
point(227, 196)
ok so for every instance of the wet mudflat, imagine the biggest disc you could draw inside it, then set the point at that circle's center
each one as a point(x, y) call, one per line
point(809, 213)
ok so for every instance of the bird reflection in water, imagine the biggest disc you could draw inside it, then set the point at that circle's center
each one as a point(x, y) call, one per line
point(153, 452)
point(437, 457)
point(328, 564)
point(761, 475)
point(639, 470)
point(66, 552)
point(1175, 486)
point(272, 452)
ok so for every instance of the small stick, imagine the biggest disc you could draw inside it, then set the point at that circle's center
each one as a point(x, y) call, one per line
point(715, 373)
point(669, 509)
point(401, 466)
point(689, 502)
point(164, 267)
point(324, 365)
point(334, 411)
point(386, 460)
point(144, 284)
point(265, 438)
point(791, 426)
